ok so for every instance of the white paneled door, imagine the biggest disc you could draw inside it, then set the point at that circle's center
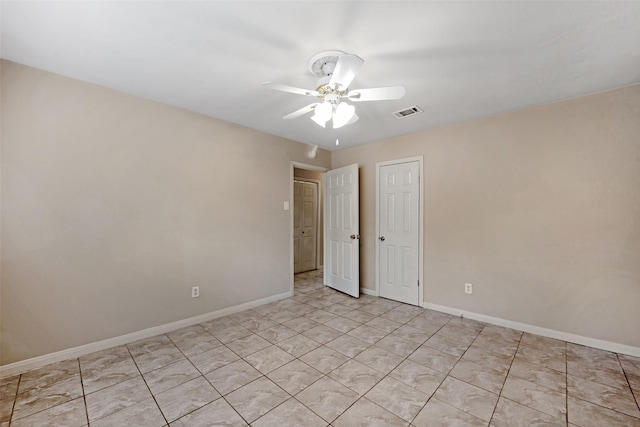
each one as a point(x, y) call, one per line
point(305, 217)
point(399, 231)
point(342, 230)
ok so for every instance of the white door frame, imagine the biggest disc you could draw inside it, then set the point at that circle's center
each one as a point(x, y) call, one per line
point(318, 216)
point(420, 160)
point(292, 166)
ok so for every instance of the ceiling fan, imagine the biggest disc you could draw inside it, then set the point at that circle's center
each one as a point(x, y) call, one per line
point(336, 70)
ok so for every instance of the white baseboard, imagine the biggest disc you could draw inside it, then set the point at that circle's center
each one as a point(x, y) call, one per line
point(83, 350)
point(367, 291)
point(550, 333)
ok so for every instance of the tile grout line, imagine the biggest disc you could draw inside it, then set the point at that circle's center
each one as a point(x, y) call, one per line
point(447, 374)
point(15, 399)
point(540, 385)
point(194, 366)
point(84, 396)
point(506, 376)
point(262, 375)
point(606, 408)
point(16, 394)
point(203, 375)
point(566, 383)
point(147, 385)
point(214, 387)
point(482, 388)
point(626, 377)
point(606, 385)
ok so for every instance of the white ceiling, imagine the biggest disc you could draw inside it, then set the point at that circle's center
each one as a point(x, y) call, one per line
point(457, 60)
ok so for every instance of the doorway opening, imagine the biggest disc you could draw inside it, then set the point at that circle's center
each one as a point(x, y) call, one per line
point(307, 237)
point(307, 232)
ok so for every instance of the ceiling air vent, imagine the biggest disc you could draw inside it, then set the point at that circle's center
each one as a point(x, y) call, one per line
point(408, 112)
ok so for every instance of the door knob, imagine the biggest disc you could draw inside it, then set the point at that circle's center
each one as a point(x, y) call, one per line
point(355, 236)
point(381, 238)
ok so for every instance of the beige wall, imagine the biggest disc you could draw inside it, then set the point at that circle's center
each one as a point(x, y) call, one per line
point(539, 209)
point(317, 176)
point(113, 207)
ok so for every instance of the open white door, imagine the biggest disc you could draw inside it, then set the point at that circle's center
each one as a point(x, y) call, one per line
point(342, 230)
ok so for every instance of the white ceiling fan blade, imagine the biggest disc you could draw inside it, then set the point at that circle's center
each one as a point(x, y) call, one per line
point(290, 89)
point(301, 112)
point(346, 69)
point(377, 93)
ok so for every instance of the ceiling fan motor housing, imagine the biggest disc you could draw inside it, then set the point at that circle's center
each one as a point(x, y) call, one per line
point(323, 84)
point(322, 65)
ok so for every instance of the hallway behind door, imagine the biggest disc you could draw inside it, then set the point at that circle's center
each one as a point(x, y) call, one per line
point(305, 225)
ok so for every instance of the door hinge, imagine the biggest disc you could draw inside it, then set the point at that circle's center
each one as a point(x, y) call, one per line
point(418, 282)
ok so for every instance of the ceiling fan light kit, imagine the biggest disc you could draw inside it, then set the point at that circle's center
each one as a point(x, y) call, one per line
point(343, 115)
point(336, 70)
point(322, 113)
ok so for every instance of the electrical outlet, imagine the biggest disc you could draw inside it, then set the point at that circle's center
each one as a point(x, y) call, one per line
point(468, 288)
point(195, 292)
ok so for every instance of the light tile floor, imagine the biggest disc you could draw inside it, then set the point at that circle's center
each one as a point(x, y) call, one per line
point(323, 358)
